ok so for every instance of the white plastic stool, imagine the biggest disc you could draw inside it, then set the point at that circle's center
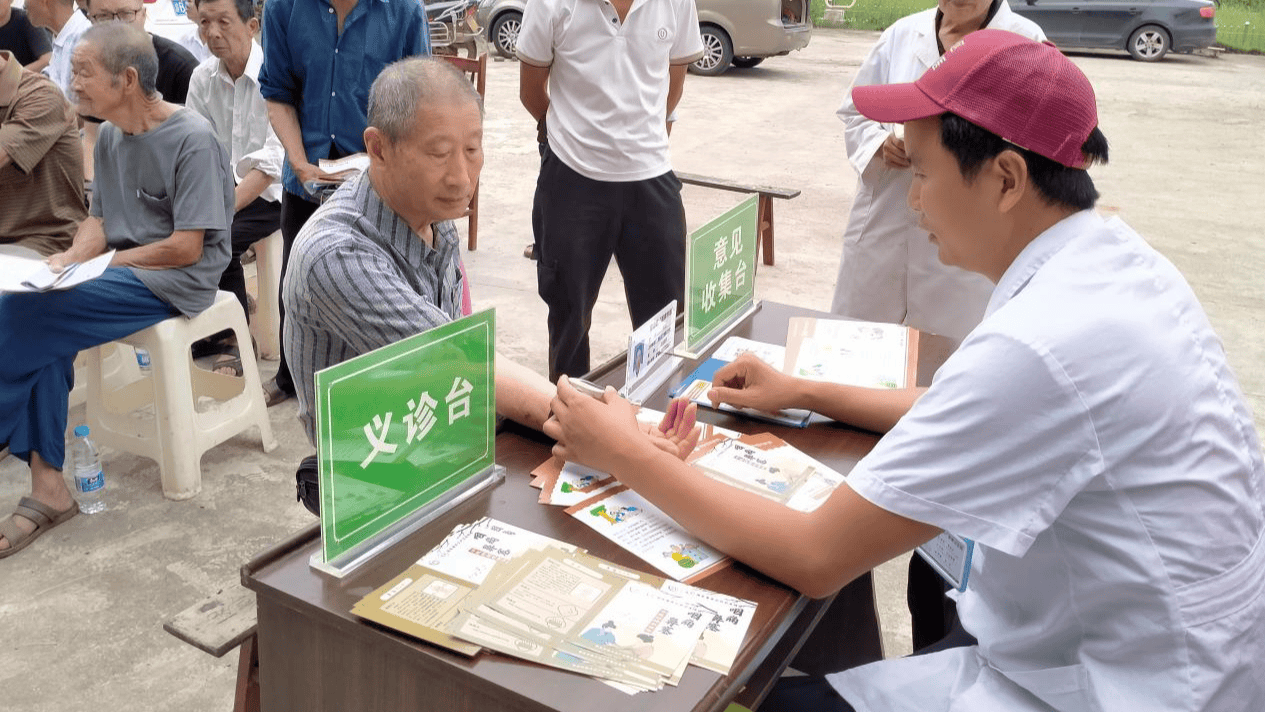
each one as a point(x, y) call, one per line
point(118, 365)
point(266, 325)
point(177, 435)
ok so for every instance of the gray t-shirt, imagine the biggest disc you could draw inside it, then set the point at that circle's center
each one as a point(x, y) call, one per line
point(175, 176)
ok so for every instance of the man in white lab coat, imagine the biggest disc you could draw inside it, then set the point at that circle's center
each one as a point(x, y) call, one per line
point(889, 271)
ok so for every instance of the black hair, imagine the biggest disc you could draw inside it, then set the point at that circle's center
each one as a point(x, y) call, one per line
point(245, 8)
point(1058, 184)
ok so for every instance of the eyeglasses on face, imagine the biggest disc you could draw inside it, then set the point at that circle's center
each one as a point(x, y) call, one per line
point(122, 15)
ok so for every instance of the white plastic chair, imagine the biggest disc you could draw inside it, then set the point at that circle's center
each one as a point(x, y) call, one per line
point(177, 435)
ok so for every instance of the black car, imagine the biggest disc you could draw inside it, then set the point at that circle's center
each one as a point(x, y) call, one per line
point(1147, 29)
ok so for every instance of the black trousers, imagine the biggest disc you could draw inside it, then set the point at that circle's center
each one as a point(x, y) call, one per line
point(578, 225)
point(815, 694)
point(251, 224)
point(295, 212)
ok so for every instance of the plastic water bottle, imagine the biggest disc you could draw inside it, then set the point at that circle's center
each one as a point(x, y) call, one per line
point(142, 359)
point(89, 477)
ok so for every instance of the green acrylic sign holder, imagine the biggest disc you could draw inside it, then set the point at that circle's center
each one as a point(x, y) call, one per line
point(719, 277)
point(404, 433)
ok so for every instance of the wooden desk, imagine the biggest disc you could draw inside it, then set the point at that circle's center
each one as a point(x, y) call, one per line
point(314, 655)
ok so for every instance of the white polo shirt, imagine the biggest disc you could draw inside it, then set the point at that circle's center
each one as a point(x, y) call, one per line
point(608, 80)
point(1090, 437)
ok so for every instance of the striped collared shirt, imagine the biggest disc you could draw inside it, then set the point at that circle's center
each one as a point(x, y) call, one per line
point(359, 279)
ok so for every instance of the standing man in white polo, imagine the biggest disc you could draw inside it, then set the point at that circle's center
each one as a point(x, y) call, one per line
point(602, 77)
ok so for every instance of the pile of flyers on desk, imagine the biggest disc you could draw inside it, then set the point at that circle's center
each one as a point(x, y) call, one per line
point(490, 585)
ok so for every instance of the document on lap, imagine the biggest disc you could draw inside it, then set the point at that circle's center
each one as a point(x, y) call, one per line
point(24, 274)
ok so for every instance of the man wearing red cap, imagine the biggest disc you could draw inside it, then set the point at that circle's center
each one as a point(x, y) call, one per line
point(1088, 436)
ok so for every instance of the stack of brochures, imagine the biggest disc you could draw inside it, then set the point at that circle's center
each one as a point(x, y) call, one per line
point(495, 586)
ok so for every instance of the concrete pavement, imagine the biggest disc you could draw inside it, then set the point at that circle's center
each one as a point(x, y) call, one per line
point(81, 611)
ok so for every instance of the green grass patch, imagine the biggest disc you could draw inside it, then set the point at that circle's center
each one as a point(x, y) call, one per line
point(1241, 25)
point(871, 14)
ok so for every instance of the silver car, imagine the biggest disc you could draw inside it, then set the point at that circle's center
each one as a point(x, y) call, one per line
point(737, 32)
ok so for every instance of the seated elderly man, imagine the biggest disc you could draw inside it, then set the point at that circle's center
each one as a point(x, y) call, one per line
point(1088, 435)
point(225, 90)
point(163, 197)
point(378, 262)
point(41, 169)
point(175, 64)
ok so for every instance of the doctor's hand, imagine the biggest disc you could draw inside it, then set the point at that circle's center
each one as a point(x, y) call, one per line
point(602, 434)
point(749, 382)
point(893, 152)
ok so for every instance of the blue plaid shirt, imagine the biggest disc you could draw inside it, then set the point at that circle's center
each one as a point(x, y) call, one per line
point(326, 76)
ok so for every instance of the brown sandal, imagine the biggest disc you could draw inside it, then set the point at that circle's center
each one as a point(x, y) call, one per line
point(44, 517)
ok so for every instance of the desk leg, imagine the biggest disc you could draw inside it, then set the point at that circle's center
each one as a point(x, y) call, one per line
point(246, 698)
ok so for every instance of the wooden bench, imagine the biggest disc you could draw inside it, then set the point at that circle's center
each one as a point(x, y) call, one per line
point(220, 623)
point(767, 194)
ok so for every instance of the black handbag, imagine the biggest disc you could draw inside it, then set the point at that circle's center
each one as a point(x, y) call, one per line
point(307, 485)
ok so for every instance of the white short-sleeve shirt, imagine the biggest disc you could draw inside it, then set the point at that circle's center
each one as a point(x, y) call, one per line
point(608, 80)
point(1090, 437)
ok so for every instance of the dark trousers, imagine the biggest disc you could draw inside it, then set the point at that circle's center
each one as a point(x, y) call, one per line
point(579, 224)
point(251, 224)
point(932, 614)
point(295, 212)
point(815, 694)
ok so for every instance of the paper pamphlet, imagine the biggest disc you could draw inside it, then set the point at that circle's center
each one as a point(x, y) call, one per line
point(853, 353)
point(770, 467)
point(554, 605)
point(630, 520)
point(25, 274)
point(354, 163)
point(425, 598)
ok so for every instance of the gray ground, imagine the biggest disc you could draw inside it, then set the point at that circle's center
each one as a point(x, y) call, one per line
point(82, 610)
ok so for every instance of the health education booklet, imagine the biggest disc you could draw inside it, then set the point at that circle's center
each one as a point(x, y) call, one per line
point(768, 466)
point(695, 386)
point(853, 353)
point(550, 603)
point(425, 597)
point(630, 520)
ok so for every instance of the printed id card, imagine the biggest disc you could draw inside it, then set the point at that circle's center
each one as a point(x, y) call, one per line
point(950, 556)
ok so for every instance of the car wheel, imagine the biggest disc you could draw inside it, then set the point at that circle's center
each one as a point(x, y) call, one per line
point(718, 52)
point(504, 33)
point(1148, 43)
point(747, 62)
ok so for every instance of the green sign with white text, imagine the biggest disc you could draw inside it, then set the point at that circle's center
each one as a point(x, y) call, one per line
point(720, 273)
point(400, 426)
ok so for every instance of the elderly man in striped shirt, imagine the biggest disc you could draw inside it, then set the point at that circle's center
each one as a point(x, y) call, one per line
point(379, 261)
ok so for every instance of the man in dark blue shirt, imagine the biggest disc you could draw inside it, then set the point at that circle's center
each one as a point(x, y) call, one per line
point(320, 58)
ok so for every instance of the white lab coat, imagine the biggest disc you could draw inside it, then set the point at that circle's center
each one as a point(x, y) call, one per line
point(1091, 439)
point(890, 271)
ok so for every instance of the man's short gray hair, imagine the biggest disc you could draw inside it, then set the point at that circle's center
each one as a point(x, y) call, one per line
point(409, 84)
point(120, 46)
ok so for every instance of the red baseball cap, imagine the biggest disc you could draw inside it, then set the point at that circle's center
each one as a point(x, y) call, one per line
point(1025, 91)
